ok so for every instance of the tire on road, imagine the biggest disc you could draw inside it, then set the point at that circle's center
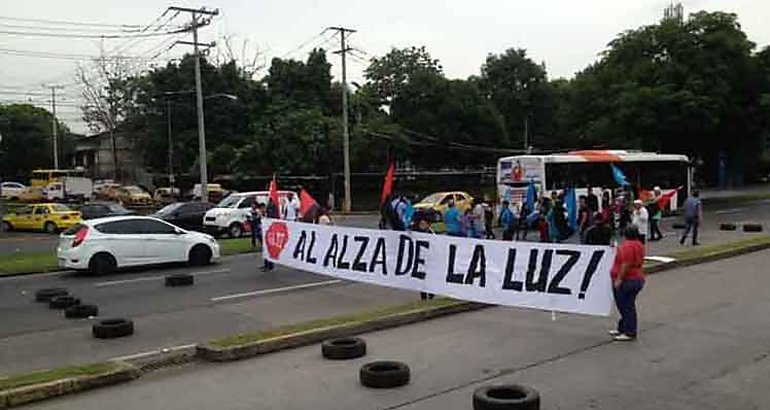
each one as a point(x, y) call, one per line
point(63, 302)
point(45, 295)
point(752, 228)
point(180, 279)
point(81, 311)
point(50, 227)
point(235, 230)
point(343, 348)
point(113, 328)
point(102, 263)
point(200, 255)
point(728, 227)
point(506, 397)
point(384, 374)
point(6, 227)
point(678, 225)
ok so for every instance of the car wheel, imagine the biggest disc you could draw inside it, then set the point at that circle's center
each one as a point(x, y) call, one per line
point(113, 328)
point(235, 230)
point(200, 255)
point(102, 264)
point(384, 374)
point(50, 227)
point(7, 227)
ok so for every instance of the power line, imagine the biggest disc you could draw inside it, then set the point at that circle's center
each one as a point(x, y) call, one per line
point(105, 36)
point(68, 29)
point(305, 43)
point(73, 23)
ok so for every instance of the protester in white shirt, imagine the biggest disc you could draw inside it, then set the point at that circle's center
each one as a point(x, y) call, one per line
point(641, 219)
point(291, 210)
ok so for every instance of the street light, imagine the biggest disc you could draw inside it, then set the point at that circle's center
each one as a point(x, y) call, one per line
point(203, 176)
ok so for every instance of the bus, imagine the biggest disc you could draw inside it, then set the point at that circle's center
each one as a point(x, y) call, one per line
point(43, 177)
point(554, 172)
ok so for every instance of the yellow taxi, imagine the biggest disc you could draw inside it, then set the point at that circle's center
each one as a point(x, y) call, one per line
point(133, 195)
point(41, 217)
point(437, 203)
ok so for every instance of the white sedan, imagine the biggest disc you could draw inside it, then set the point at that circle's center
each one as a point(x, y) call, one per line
point(11, 190)
point(105, 244)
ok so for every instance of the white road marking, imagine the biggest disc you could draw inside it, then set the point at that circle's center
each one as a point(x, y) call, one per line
point(153, 352)
point(151, 278)
point(276, 290)
point(729, 211)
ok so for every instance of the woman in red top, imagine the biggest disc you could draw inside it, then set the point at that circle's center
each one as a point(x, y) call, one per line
point(627, 282)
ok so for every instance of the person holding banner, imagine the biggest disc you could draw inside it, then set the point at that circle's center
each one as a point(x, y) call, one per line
point(627, 281)
point(452, 220)
point(423, 225)
point(507, 221)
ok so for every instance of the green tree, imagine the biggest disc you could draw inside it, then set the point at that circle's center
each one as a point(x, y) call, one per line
point(388, 74)
point(26, 140)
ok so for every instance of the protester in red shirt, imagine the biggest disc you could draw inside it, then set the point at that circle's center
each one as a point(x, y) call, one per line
point(627, 282)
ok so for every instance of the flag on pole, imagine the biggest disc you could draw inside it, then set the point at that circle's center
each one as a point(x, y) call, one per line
point(531, 195)
point(387, 186)
point(274, 205)
point(666, 198)
point(308, 206)
point(570, 198)
point(618, 176)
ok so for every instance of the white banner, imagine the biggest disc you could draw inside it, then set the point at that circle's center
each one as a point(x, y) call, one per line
point(559, 277)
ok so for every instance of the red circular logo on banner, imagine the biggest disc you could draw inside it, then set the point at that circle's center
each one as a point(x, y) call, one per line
point(277, 236)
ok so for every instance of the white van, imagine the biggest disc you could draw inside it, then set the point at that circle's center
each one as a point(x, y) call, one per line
point(232, 214)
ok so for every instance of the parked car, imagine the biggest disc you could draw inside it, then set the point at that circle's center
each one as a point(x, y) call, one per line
point(103, 245)
point(434, 205)
point(106, 190)
point(42, 217)
point(133, 195)
point(186, 215)
point(166, 195)
point(94, 210)
point(231, 214)
point(11, 190)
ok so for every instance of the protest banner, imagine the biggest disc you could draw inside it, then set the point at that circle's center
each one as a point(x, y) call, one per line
point(547, 276)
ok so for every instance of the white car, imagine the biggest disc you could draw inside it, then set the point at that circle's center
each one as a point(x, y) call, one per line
point(233, 212)
point(105, 244)
point(11, 190)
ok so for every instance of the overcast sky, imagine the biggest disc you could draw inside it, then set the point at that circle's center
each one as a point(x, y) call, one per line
point(565, 34)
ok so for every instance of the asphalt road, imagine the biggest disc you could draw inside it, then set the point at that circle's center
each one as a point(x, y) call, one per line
point(704, 344)
point(229, 297)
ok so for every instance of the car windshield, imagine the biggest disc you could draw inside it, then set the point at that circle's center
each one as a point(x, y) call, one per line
point(168, 209)
point(229, 202)
point(432, 198)
point(60, 208)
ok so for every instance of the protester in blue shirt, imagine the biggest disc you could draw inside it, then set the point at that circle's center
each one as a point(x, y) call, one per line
point(693, 215)
point(452, 220)
point(507, 221)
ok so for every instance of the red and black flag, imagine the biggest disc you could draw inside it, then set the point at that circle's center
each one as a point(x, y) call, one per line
point(666, 198)
point(308, 207)
point(387, 186)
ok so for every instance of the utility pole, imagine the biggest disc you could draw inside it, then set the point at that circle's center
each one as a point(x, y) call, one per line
point(526, 132)
point(199, 90)
point(170, 146)
point(53, 124)
point(347, 203)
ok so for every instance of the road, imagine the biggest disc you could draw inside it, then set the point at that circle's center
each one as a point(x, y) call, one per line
point(229, 297)
point(704, 344)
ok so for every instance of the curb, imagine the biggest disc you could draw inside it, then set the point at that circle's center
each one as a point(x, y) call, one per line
point(222, 354)
point(37, 392)
point(708, 258)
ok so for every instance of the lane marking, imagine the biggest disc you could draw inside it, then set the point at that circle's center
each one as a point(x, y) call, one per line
point(151, 278)
point(729, 211)
point(276, 290)
point(153, 352)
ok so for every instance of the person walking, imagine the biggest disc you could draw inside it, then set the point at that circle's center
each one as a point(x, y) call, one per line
point(640, 218)
point(452, 220)
point(693, 216)
point(656, 214)
point(507, 222)
point(600, 232)
point(423, 225)
point(255, 221)
point(479, 219)
point(627, 281)
point(271, 212)
point(592, 200)
point(489, 219)
point(584, 217)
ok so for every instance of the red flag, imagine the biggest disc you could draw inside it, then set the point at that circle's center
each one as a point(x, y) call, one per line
point(274, 197)
point(666, 198)
point(387, 186)
point(308, 206)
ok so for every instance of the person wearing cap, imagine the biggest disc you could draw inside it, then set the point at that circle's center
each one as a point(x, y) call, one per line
point(640, 219)
point(627, 281)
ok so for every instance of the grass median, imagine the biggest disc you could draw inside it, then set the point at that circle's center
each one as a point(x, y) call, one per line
point(706, 252)
point(349, 319)
point(40, 262)
point(46, 376)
